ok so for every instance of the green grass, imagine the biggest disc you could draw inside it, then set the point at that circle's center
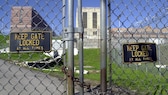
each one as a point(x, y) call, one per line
point(3, 39)
point(144, 82)
point(21, 57)
point(91, 58)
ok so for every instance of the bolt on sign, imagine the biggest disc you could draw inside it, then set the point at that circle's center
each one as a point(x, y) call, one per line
point(30, 41)
point(139, 52)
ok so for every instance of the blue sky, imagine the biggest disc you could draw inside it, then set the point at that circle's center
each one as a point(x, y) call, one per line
point(139, 13)
point(133, 13)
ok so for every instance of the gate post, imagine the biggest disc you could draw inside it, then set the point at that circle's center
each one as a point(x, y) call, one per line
point(64, 42)
point(81, 30)
point(109, 43)
point(103, 30)
point(70, 63)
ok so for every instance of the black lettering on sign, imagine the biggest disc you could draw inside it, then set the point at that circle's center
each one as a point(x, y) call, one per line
point(30, 41)
point(139, 52)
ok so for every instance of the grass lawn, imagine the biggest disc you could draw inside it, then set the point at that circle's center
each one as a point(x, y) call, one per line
point(3, 39)
point(92, 59)
point(21, 57)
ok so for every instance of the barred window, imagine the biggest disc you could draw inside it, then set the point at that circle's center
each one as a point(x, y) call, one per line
point(85, 19)
point(94, 32)
point(94, 20)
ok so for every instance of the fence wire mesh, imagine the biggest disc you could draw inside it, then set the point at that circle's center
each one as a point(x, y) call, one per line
point(31, 73)
point(142, 21)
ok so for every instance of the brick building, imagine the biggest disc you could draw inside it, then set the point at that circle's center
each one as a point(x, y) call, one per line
point(25, 19)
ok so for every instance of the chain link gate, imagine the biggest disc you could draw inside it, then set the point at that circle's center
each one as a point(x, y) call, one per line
point(137, 21)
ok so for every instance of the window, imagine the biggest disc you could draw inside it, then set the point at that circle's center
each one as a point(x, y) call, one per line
point(94, 32)
point(94, 20)
point(85, 19)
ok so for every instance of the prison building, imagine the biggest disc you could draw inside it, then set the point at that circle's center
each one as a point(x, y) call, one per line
point(25, 19)
point(91, 22)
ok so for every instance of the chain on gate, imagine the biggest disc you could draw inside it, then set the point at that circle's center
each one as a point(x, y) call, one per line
point(76, 80)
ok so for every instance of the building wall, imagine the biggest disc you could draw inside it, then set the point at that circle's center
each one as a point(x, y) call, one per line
point(21, 19)
point(25, 19)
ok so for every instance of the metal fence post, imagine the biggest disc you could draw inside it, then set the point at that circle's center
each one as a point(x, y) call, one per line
point(103, 43)
point(63, 36)
point(109, 43)
point(81, 30)
point(70, 63)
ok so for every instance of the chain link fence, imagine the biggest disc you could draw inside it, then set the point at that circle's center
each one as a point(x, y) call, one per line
point(26, 25)
point(142, 21)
